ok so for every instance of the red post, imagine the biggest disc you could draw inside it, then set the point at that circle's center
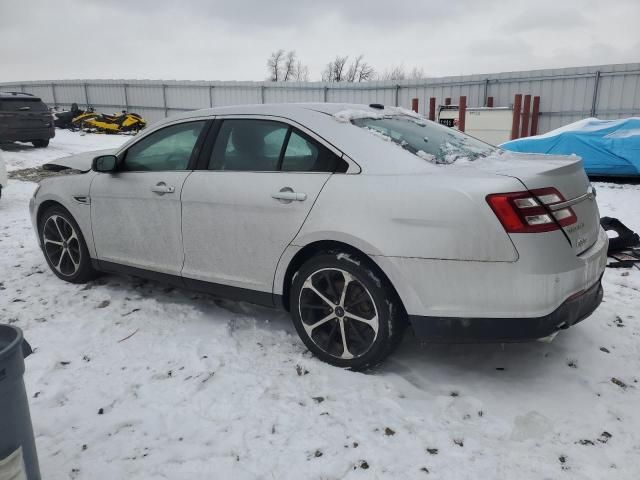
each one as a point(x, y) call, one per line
point(432, 108)
point(462, 113)
point(526, 110)
point(447, 101)
point(414, 104)
point(490, 102)
point(535, 115)
point(515, 125)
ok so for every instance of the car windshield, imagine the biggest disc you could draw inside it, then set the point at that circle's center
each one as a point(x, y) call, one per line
point(428, 140)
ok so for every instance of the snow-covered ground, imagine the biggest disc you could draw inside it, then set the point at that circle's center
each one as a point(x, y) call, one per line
point(133, 379)
point(19, 155)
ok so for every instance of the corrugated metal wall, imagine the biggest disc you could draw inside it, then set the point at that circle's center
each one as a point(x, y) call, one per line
point(567, 94)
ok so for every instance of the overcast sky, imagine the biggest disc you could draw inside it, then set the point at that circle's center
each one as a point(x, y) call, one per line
point(231, 40)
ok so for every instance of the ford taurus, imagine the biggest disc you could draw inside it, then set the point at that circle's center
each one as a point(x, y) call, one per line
point(359, 220)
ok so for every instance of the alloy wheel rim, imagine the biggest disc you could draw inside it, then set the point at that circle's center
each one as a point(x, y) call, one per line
point(338, 313)
point(61, 245)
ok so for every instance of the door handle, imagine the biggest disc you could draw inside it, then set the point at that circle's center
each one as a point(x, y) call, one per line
point(287, 195)
point(162, 188)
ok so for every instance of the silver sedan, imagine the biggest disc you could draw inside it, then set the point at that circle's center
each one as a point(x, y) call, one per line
point(359, 220)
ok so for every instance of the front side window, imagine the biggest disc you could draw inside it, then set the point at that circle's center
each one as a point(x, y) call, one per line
point(166, 149)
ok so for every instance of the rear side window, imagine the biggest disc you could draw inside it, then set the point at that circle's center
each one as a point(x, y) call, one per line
point(248, 145)
point(22, 105)
point(303, 154)
point(267, 146)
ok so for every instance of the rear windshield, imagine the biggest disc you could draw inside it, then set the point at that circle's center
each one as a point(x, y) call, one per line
point(428, 140)
point(22, 105)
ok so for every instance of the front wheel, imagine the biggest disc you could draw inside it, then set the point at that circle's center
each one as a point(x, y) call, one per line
point(40, 143)
point(64, 247)
point(344, 312)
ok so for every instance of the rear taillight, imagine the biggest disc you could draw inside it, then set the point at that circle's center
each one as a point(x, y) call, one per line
point(532, 211)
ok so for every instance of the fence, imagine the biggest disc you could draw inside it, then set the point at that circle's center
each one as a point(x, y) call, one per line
point(567, 94)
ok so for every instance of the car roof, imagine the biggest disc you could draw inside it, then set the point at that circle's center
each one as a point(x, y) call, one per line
point(285, 109)
point(18, 96)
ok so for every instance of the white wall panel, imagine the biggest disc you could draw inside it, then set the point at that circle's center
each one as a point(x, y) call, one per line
point(566, 93)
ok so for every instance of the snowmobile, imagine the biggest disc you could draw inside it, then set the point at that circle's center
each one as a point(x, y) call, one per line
point(65, 119)
point(100, 122)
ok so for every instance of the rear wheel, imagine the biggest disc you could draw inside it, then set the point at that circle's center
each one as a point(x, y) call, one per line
point(344, 312)
point(40, 143)
point(64, 247)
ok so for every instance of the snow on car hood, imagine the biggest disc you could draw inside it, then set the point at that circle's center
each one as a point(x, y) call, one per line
point(80, 161)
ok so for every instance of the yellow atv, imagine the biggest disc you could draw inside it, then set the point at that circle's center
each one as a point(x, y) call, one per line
point(100, 122)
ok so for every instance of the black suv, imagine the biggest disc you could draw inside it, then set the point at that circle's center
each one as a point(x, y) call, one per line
point(25, 118)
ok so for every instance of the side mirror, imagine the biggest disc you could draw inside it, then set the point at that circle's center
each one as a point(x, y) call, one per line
point(105, 163)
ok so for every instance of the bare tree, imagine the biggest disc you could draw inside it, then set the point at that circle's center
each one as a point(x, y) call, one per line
point(396, 72)
point(357, 71)
point(285, 67)
point(302, 72)
point(335, 70)
point(417, 73)
point(354, 69)
point(339, 65)
point(366, 73)
point(289, 69)
point(274, 65)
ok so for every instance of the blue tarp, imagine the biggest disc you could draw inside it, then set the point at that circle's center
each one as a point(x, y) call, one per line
point(607, 147)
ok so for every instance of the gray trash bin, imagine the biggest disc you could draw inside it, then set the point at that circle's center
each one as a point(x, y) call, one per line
point(18, 458)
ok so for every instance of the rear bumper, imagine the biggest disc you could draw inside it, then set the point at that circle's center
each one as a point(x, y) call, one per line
point(26, 134)
point(466, 330)
point(546, 274)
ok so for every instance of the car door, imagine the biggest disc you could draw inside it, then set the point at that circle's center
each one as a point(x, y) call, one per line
point(247, 204)
point(135, 211)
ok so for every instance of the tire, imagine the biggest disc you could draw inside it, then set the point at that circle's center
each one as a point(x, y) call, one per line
point(40, 143)
point(325, 315)
point(64, 247)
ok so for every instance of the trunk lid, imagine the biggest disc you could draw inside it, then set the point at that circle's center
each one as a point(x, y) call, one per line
point(567, 175)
